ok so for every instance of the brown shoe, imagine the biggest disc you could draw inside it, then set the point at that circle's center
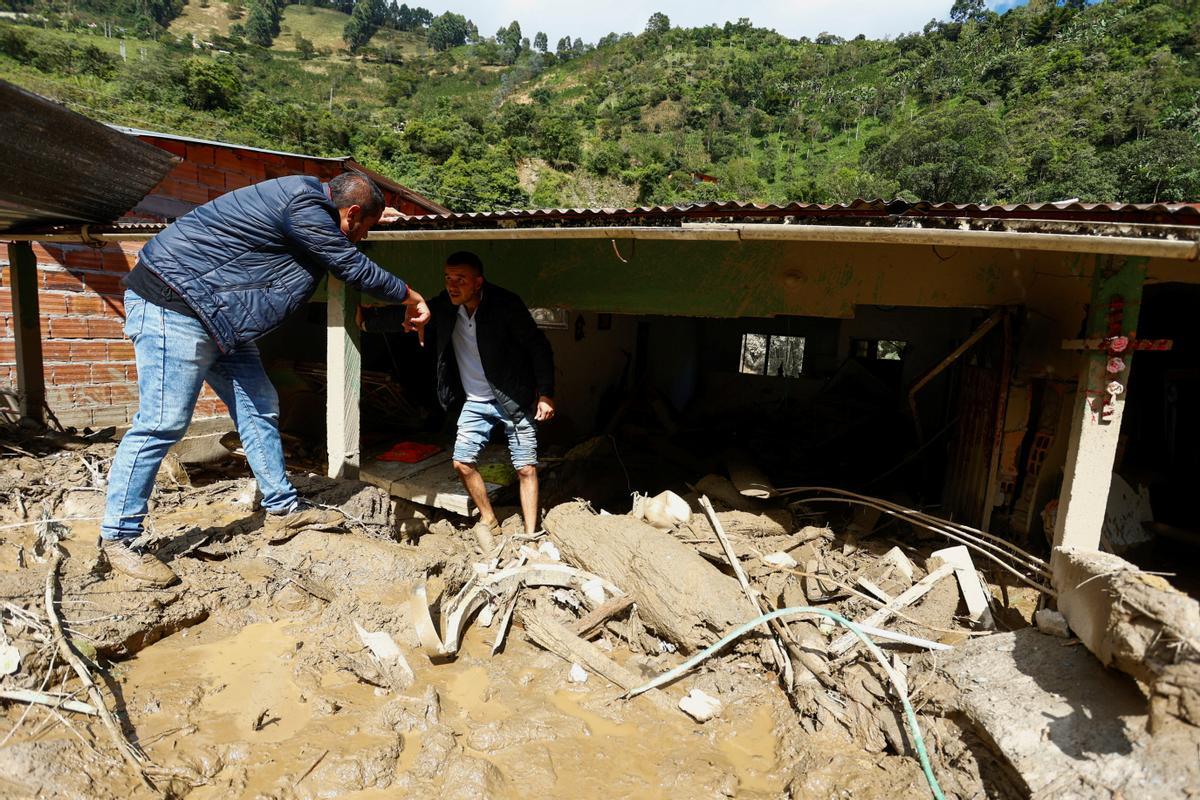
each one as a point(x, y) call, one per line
point(140, 566)
point(279, 528)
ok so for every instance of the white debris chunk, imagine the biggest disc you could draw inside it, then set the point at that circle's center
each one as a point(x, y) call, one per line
point(897, 559)
point(593, 590)
point(547, 550)
point(780, 559)
point(565, 598)
point(486, 615)
point(974, 591)
point(1051, 622)
point(700, 706)
point(384, 648)
point(577, 674)
point(664, 510)
point(10, 659)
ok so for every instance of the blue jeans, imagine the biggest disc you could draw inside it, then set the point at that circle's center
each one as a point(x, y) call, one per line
point(175, 356)
point(475, 425)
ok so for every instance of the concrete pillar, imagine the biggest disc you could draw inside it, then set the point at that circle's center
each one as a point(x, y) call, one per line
point(27, 331)
point(1092, 447)
point(344, 379)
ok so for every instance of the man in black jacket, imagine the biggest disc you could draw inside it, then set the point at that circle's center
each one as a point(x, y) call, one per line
point(492, 358)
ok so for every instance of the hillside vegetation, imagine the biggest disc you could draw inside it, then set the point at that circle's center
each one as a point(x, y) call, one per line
point(1045, 102)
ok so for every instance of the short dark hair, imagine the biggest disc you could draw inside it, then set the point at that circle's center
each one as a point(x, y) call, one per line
point(465, 258)
point(355, 189)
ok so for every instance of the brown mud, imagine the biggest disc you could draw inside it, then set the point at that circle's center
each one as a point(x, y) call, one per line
point(248, 679)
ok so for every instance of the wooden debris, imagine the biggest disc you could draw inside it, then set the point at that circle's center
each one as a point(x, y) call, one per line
point(740, 523)
point(907, 598)
point(479, 590)
point(896, 558)
point(136, 759)
point(44, 699)
point(558, 639)
point(678, 593)
point(775, 629)
point(973, 591)
point(591, 622)
point(874, 591)
point(388, 654)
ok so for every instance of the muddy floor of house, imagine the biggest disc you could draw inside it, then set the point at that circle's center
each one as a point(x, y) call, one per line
point(297, 670)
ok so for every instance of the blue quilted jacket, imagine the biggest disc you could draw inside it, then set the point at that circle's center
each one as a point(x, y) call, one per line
point(249, 258)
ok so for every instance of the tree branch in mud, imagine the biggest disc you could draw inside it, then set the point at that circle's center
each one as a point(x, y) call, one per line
point(133, 757)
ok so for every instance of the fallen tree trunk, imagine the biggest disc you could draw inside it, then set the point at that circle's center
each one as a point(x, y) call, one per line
point(1135, 622)
point(679, 594)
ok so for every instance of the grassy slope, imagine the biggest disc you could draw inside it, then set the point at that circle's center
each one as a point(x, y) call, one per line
point(202, 22)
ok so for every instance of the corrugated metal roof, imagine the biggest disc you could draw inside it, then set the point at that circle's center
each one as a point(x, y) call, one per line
point(855, 212)
point(57, 166)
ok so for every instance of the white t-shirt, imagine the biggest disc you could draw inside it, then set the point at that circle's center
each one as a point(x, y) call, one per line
point(466, 353)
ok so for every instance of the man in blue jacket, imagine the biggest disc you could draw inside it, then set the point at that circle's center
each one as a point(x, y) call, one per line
point(203, 290)
point(494, 360)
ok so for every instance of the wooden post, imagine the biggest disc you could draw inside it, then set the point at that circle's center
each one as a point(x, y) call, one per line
point(1092, 447)
point(31, 380)
point(343, 371)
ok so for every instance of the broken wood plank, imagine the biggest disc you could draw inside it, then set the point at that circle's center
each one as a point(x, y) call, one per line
point(44, 699)
point(558, 639)
point(775, 629)
point(591, 622)
point(908, 597)
point(969, 583)
point(679, 594)
point(874, 591)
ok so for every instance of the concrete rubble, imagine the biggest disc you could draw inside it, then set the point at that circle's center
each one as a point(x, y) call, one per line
point(392, 658)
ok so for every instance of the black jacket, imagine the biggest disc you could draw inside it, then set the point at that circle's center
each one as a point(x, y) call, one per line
point(517, 360)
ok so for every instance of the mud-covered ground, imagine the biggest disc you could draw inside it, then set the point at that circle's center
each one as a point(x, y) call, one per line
point(249, 678)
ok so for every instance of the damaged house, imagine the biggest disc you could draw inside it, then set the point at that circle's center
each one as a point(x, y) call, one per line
point(922, 418)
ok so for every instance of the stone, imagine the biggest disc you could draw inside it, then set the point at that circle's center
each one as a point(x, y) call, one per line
point(700, 706)
point(1052, 623)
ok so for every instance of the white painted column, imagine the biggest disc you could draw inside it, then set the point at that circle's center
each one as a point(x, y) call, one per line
point(344, 378)
point(1092, 446)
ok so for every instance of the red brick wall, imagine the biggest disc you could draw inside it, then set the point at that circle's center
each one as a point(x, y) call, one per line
point(89, 368)
point(89, 371)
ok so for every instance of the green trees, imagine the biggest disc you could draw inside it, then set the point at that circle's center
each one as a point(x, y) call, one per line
point(509, 41)
point(367, 17)
point(540, 43)
point(211, 85)
point(446, 31)
point(955, 154)
point(262, 23)
point(1163, 167)
point(659, 23)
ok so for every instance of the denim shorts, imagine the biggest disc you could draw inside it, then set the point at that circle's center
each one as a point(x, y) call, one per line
point(475, 426)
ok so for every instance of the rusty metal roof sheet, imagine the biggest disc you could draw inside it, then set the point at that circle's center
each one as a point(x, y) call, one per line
point(894, 212)
point(57, 166)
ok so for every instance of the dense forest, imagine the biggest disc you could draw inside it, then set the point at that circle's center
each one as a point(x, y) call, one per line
point(1045, 102)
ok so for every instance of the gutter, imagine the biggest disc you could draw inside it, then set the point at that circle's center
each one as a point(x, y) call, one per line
point(1185, 250)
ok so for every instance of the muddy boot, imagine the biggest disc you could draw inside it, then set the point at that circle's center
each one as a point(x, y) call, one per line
point(140, 566)
point(281, 527)
point(483, 535)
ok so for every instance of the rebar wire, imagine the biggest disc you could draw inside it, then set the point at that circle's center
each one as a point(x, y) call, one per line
point(897, 683)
